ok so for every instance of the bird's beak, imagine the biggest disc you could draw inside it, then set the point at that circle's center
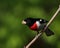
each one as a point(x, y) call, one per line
point(23, 22)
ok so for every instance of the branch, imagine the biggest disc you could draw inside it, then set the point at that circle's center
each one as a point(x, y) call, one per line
point(36, 37)
point(53, 17)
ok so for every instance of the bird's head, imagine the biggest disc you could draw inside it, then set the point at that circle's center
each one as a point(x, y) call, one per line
point(28, 21)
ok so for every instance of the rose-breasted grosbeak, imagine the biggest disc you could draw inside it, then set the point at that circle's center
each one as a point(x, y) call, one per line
point(37, 24)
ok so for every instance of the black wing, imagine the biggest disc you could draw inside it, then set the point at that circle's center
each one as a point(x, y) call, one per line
point(41, 20)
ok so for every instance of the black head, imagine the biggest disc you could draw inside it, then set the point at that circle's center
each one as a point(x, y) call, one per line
point(29, 21)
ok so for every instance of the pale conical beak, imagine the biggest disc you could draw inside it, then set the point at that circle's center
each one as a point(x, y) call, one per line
point(23, 22)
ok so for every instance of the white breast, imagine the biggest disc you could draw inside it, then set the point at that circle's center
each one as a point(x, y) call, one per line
point(38, 24)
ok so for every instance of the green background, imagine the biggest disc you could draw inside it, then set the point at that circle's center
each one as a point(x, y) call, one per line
point(15, 35)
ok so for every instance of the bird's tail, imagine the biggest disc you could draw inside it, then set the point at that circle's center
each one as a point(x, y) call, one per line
point(49, 32)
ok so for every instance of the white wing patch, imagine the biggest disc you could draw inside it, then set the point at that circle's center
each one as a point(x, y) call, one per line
point(40, 19)
point(38, 24)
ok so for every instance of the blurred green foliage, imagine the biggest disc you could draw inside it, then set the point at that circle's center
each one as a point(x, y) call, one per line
point(15, 35)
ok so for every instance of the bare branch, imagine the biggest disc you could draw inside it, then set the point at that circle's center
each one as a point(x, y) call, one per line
point(53, 17)
point(36, 37)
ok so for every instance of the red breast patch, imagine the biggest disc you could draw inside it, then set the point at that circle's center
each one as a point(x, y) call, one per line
point(34, 26)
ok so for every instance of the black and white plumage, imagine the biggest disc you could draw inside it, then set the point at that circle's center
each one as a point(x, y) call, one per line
point(37, 24)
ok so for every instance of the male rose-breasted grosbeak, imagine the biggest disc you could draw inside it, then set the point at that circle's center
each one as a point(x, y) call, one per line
point(37, 24)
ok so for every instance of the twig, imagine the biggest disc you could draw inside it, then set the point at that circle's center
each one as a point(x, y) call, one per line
point(36, 37)
point(53, 17)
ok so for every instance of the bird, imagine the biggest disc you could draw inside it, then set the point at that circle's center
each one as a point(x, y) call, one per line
point(37, 24)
